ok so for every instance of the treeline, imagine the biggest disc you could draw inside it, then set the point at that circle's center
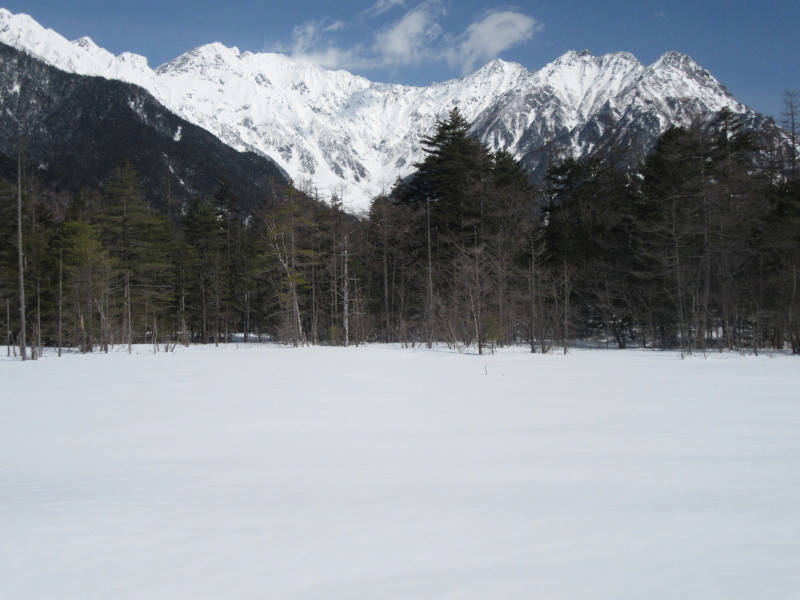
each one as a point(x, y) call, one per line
point(696, 247)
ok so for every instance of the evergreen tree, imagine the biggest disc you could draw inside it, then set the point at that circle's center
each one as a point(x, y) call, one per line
point(88, 273)
point(205, 241)
point(452, 178)
point(134, 233)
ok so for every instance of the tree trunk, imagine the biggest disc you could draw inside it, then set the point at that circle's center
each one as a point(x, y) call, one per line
point(388, 337)
point(60, 297)
point(21, 255)
point(38, 336)
point(129, 328)
point(345, 297)
point(430, 277)
point(11, 346)
point(566, 306)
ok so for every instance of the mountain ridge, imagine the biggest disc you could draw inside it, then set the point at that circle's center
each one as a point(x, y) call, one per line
point(346, 135)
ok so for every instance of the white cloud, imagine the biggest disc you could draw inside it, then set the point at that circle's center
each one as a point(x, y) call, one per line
point(305, 36)
point(311, 41)
point(411, 39)
point(381, 7)
point(414, 39)
point(310, 36)
point(335, 26)
point(333, 57)
point(487, 38)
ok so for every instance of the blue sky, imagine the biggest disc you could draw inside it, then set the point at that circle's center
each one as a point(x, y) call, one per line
point(754, 51)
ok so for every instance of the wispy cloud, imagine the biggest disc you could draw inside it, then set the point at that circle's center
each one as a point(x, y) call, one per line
point(335, 26)
point(381, 7)
point(311, 41)
point(412, 39)
point(487, 38)
point(416, 38)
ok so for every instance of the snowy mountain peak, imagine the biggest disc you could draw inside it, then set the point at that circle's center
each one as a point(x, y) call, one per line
point(21, 28)
point(137, 61)
point(81, 56)
point(584, 57)
point(676, 60)
point(85, 42)
point(202, 58)
point(507, 73)
point(583, 64)
point(499, 65)
point(215, 52)
point(20, 21)
point(676, 74)
point(572, 56)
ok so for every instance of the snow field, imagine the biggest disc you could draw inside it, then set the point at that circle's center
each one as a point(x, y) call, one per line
point(383, 472)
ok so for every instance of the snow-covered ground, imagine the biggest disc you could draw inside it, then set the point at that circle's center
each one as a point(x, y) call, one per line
point(383, 472)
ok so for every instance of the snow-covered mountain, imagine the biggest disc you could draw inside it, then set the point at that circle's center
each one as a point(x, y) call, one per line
point(76, 130)
point(344, 134)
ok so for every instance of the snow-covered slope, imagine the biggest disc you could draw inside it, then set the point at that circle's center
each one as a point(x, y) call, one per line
point(344, 134)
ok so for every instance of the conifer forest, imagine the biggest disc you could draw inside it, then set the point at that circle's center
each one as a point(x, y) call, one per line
point(694, 246)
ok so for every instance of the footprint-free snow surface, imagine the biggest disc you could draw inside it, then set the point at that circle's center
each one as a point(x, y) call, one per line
point(383, 473)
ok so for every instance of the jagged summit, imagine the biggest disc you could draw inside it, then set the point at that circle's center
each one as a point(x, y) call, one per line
point(345, 134)
point(85, 42)
point(676, 60)
point(498, 65)
point(202, 58)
